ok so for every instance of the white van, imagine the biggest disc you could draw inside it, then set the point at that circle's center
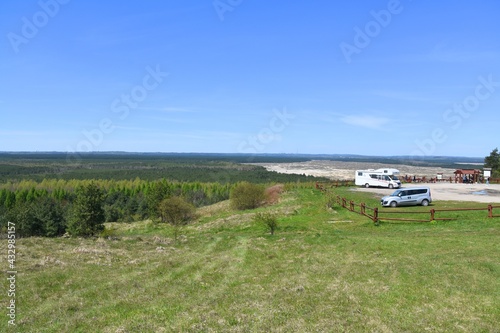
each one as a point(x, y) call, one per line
point(380, 178)
point(408, 197)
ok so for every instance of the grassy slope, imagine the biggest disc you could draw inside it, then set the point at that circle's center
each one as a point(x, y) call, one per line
point(324, 270)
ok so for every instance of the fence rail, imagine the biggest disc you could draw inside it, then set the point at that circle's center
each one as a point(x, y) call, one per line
point(375, 214)
point(334, 183)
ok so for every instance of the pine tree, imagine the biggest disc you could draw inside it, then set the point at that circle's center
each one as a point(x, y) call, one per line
point(10, 200)
point(87, 215)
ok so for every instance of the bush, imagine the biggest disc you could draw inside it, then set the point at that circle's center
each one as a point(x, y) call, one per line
point(330, 201)
point(269, 220)
point(246, 195)
point(176, 211)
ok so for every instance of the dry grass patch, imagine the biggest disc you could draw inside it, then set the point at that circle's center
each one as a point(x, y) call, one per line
point(215, 209)
point(273, 193)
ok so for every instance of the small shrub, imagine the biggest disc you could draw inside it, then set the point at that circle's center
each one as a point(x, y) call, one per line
point(246, 195)
point(269, 220)
point(177, 212)
point(330, 201)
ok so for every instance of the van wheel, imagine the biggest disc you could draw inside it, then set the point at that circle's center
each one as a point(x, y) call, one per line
point(367, 185)
point(425, 203)
point(393, 204)
point(390, 186)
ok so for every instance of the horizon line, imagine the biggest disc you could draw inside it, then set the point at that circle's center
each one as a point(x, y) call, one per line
point(228, 153)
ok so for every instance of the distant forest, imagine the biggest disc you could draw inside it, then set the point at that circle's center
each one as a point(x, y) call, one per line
point(40, 192)
point(174, 167)
point(183, 167)
point(43, 192)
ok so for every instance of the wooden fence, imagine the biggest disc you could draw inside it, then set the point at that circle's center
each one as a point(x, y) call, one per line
point(409, 180)
point(323, 186)
point(377, 215)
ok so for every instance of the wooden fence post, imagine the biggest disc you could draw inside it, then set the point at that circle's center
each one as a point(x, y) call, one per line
point(433, 212)
point(351, 206)
point(375, 215)
point(363, 208)
point(490, 211)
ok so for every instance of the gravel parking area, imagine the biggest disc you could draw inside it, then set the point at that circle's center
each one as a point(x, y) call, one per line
point(451, 191)
point(440, 191)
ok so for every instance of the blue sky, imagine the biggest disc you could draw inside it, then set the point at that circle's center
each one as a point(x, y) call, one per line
point(244, 76)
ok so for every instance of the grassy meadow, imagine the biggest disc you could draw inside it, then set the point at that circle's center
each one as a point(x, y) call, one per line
point(325, 270)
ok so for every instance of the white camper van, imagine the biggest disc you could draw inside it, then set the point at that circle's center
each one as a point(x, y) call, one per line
point(380, 178)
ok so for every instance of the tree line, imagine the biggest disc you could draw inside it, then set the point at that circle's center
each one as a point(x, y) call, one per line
point(53, 207)
point(183, 167)
point(82, 212)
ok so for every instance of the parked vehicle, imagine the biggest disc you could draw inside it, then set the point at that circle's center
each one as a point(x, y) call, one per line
point(408, 197)
point(381, 178)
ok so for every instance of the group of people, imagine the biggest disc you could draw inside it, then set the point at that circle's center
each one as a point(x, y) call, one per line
point(466, 179)
point(471, 180)
point(415, 179)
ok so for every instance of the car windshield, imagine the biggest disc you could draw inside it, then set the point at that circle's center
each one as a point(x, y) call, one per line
point(394, 178)
point(395, 194)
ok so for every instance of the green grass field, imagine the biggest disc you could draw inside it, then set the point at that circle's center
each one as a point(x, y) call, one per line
point(325, 270)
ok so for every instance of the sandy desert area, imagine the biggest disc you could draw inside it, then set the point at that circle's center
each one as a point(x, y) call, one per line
point(337, 170)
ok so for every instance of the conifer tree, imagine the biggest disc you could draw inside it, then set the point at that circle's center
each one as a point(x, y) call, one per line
point(87, 215)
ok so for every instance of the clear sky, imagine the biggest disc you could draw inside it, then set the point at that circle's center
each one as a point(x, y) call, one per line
point(246, 76)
